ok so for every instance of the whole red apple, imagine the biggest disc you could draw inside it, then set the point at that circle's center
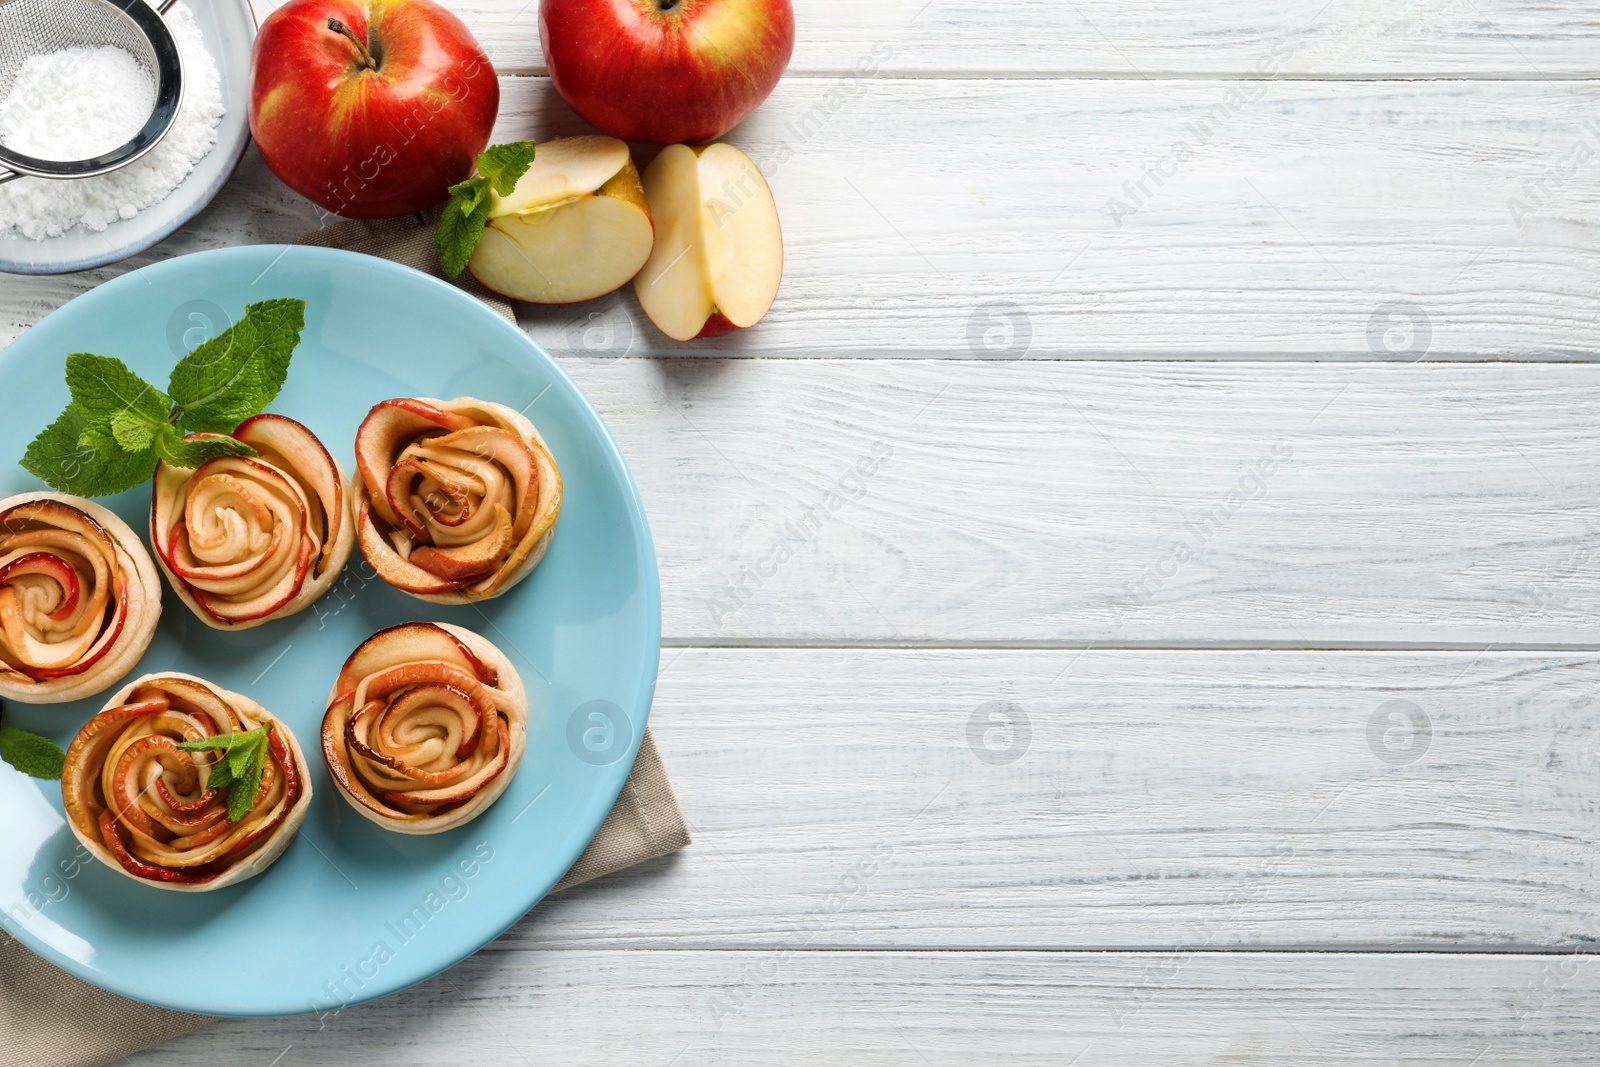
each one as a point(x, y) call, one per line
point(668, 71)
point(370, 108)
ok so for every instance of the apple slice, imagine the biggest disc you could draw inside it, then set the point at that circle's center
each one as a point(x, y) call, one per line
point(561, 169)
point(576, 226)
point(673, 288)
point(718, 255)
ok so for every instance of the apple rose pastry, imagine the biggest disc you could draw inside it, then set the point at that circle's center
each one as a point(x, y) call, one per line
point(245, 540)
point(79, 598)
point(182, 785)
point(456, 500)
point(425, 727)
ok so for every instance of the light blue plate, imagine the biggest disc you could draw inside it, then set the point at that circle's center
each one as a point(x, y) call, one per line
point(350, 911)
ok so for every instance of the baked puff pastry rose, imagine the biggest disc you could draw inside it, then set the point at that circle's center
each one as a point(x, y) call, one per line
point(456, 500)
point(425, 727)
point(79, 598)
point(246, 540)
point(141, 805)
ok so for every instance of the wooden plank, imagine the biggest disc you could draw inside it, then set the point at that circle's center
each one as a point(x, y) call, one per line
point(1489, 38)
point(1318, 220)
point(781, 1008)
point(910, 799)
point(1116, 503)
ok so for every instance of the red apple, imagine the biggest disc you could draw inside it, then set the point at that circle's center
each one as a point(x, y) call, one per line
point(666, 71)
point(370, 108)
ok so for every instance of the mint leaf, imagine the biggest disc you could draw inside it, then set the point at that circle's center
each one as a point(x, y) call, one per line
point(241, 754)
point(503, 164)
point(60, 458)
point(197, 451)
point(237, 373)
point(30, 753)
point(100, 437)
point(458, 234)
point(220, 777)
point(105, 390)
point(242, 793)
point(225, 742)
point(468, 195)
point(131, 431)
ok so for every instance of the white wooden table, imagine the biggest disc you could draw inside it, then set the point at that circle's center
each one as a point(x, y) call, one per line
point(1255, 481)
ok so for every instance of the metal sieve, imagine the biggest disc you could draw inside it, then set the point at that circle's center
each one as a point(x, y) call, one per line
point(41, 27)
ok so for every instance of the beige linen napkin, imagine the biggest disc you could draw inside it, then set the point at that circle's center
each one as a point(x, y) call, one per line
point(48, 1018)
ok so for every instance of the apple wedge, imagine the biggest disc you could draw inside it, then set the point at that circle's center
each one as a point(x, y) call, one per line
point(576, 226)
point(718, 255)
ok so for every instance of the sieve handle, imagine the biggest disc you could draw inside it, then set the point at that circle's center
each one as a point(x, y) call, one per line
point(8, 175)
point(161, 8)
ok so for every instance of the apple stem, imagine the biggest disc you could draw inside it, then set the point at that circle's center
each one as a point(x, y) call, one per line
point(366, 53)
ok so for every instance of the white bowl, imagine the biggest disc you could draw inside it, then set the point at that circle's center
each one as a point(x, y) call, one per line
point(230, 29)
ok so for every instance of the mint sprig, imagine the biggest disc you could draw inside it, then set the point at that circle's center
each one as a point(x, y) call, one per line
point(30, 753)
point(118, 425)
point(244, 756)
point(461, 226)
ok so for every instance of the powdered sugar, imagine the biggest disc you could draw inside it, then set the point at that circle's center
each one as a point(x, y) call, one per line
point(43, 207)
point(75, 104)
